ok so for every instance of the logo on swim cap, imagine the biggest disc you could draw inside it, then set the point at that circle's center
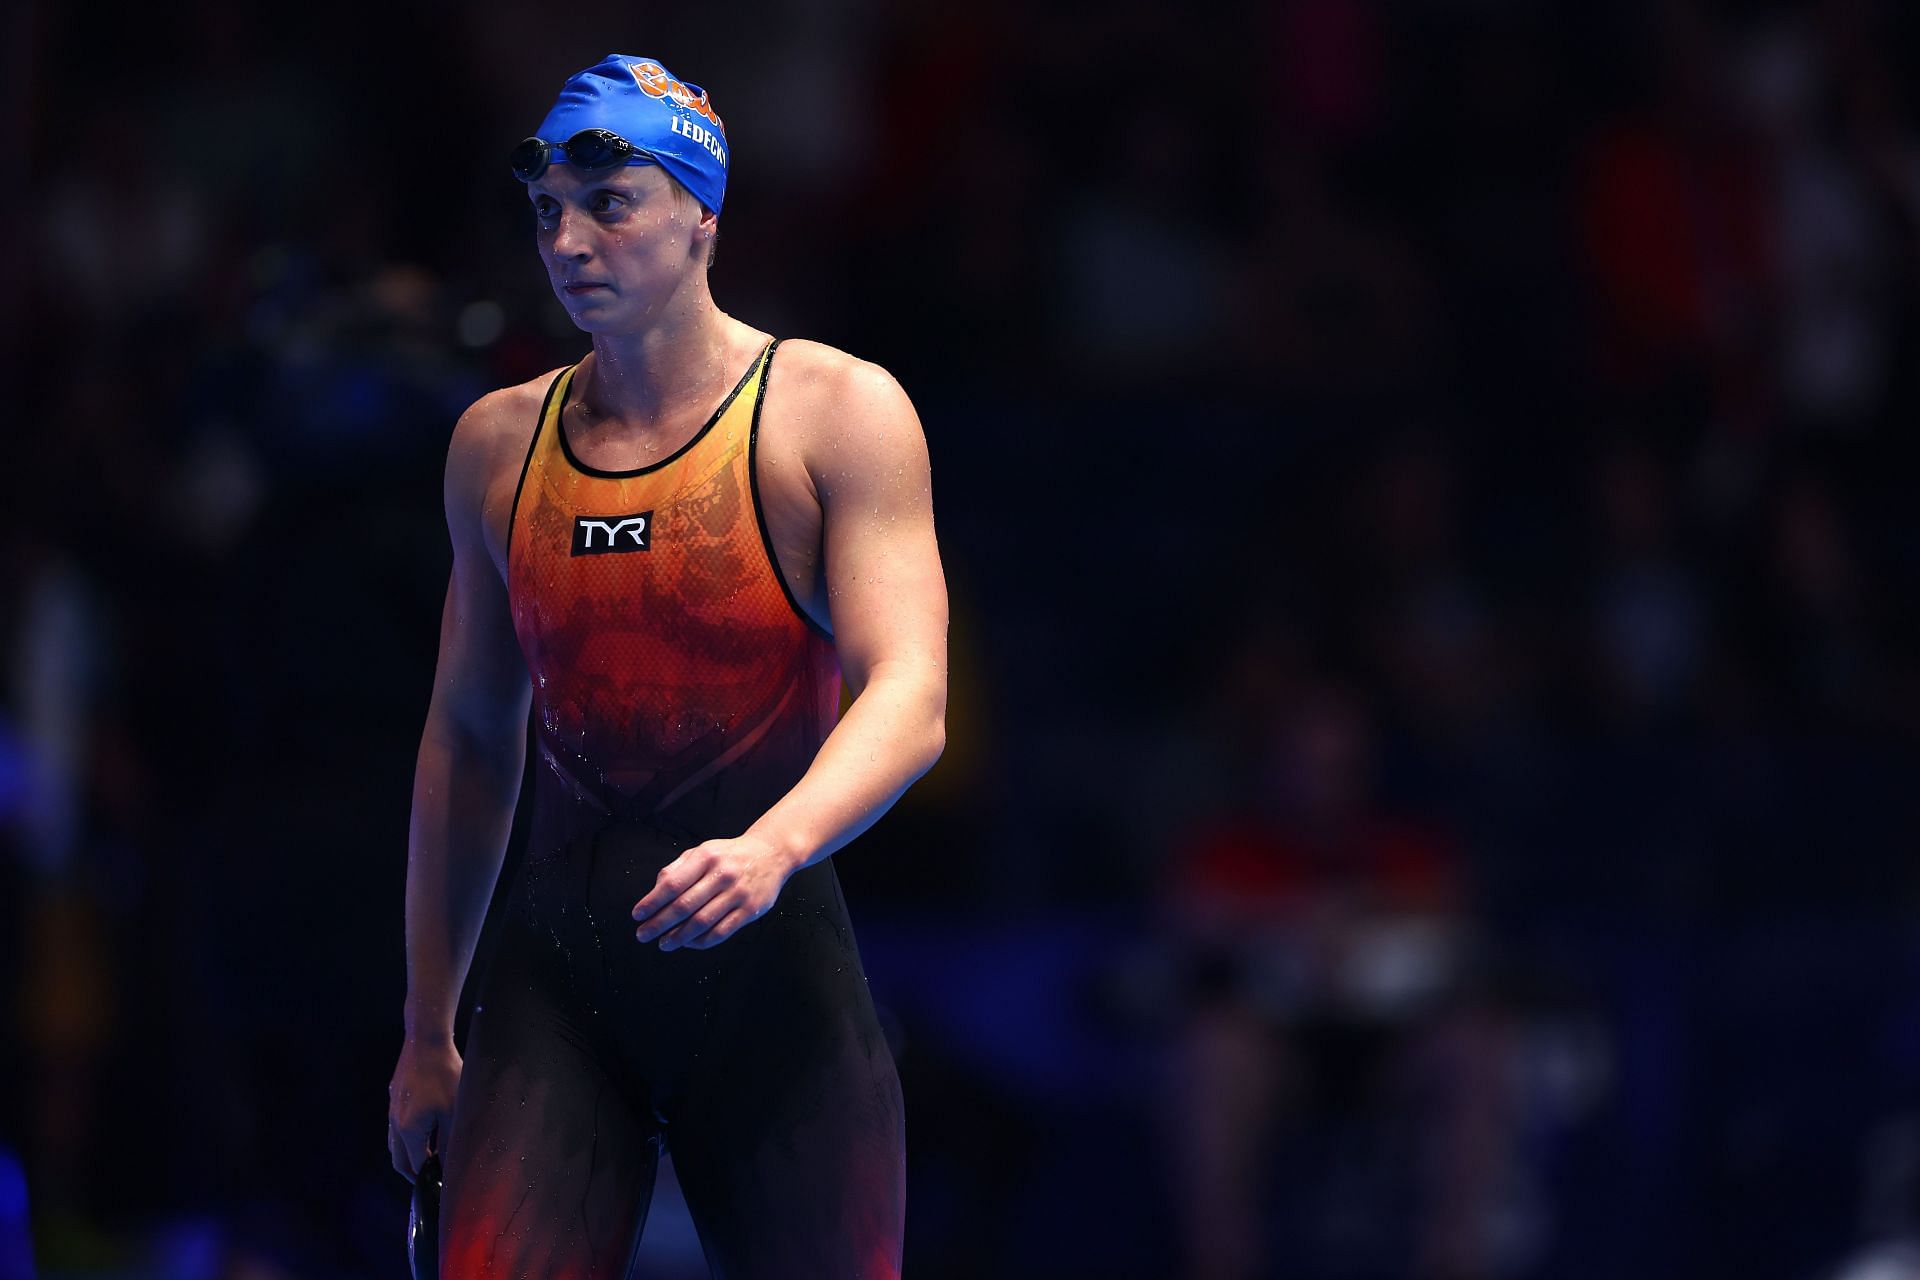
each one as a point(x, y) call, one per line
point(643, 102)
point(657, 82)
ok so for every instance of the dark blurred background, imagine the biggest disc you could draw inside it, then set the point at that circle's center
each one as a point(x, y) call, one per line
point(1425, 489)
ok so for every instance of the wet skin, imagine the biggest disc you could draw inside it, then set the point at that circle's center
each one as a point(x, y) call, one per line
point(845, 486)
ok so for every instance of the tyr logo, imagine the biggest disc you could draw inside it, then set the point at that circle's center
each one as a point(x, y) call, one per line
point(597, 535)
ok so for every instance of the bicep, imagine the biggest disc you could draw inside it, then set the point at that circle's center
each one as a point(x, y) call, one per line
point(480, 685)
point(885, 585)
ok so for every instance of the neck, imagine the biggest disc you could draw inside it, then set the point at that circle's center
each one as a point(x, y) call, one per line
point(644, 375)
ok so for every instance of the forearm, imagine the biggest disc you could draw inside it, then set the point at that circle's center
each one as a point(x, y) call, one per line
point(890, 735)
point(463, 801)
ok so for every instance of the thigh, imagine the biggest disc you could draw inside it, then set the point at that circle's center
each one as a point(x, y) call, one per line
point(549, 1167)
point(790, 1145)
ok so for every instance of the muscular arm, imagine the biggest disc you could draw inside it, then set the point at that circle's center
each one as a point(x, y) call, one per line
point(472, 750)
point(888, 597)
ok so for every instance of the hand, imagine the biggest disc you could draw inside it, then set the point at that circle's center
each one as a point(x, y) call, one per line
point(420, 1103)
point(708, 893)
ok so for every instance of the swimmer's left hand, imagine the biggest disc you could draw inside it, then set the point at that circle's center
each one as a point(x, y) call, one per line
point(710, 892)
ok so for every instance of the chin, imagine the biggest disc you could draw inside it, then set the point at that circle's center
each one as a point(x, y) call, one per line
point(598, 322)
point(589, 315)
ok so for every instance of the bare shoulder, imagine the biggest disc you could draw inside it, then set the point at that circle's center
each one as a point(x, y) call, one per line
point(830, 399)
point(493, 433)
point(500, 417)
point(822, 377)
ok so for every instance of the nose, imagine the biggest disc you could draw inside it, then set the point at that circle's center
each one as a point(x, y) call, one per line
point(569, 240)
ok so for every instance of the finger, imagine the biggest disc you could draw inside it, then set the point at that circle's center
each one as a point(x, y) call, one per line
point(674, 879)
point(416, 1151)
point(696, 909)
point(397, 1152)
point(701, 921)
point(729, 925)
point(682, 907)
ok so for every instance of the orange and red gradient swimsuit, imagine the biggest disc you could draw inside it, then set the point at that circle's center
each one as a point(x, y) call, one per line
point(678, 691)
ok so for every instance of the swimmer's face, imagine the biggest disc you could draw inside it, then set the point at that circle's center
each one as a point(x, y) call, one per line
point(617, 244)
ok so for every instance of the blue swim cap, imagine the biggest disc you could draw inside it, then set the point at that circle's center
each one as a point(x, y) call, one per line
point(644, 103)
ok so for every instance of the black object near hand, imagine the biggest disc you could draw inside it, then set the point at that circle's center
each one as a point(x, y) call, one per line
point(423, 1222)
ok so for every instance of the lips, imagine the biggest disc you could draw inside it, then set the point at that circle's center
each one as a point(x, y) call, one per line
point(579, 288)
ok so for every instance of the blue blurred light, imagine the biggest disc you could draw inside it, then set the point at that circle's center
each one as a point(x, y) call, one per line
point(190, 1249)
point(16, 1246)
point(15, 771)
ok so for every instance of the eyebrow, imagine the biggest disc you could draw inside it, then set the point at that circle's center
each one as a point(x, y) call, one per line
point(625, 193)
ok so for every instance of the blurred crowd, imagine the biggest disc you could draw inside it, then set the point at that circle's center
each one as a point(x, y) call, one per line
point(1435, 684)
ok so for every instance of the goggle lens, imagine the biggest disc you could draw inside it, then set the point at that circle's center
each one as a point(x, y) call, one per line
point(588, 149)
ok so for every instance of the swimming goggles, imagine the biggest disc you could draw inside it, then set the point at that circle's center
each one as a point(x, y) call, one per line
point(589, 149)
